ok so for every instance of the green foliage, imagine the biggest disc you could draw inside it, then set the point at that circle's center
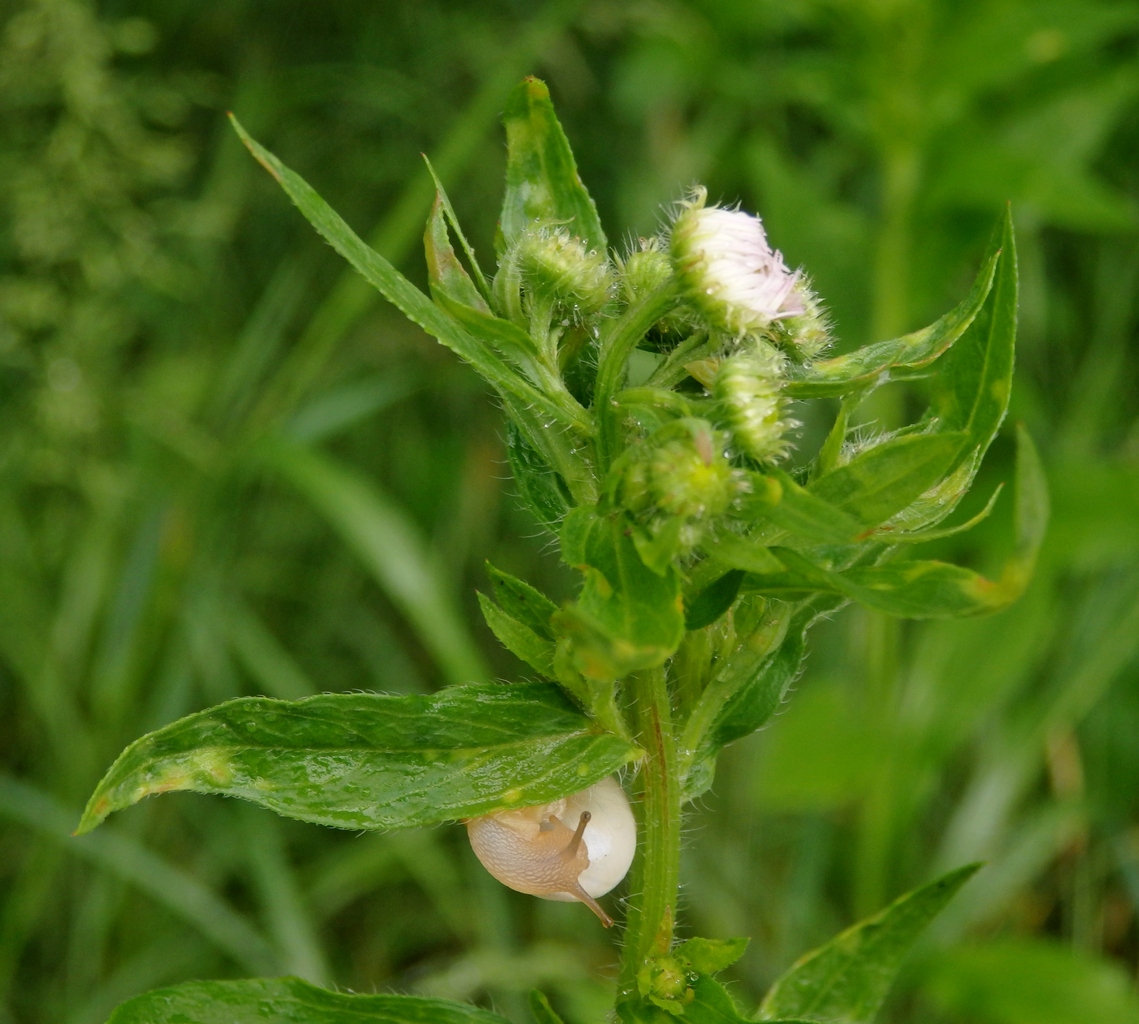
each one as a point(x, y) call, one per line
point(365, 761)
point(1018, 981)
point(630, 616)
point(288, 1000)
point(848, 978)
point(542, 183)
point(166, 322)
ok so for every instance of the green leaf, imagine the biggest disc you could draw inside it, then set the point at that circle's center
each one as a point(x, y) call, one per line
point(531, 409)
point(445, 274)
point(542, 183)
point(974, 382)
point(755, 679)
point(449, 210)
point(800, 511)
point(746, 687)
point(519, 639)
point(391, 546)
point(541, 1010)
point(924, 536)
point(541, 488)
point(1030, 981)
point(626, 617)
point(738, 552)
point(522, 601)
point(897, 359)
point(710, 956)
point(931, 589)
point(849, 977)
point(501, 336)
point(369, 761)
point(712, 1004)
point(713, 600)
point(882, 481)
point(378, 272)
point(287, 1001)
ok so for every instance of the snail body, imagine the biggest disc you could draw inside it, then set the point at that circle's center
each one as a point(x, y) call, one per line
point(575, 848)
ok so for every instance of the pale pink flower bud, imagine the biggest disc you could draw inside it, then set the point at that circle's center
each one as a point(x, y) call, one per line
point(728, 270)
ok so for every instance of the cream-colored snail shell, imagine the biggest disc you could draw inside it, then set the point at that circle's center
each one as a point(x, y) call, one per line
point(575, 848)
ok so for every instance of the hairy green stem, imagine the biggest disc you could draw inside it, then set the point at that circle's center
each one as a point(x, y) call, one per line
point(656, 871)
point(617, 344)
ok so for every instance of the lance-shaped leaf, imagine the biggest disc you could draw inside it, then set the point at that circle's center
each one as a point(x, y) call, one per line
point(803, 512)
point(972, 388)
point(449, 211)
point(369, 761)
point(882, 481)
point(930, 589)
point(543, 490)
point(626, 617)
point(522, 601)
point(900, 357)
point(975, 379)
point(849, 977)
point(531, 409)
point(518, 638)
point(542, 183)
point(713, 601)
point(288, 1001)
point(746, 687)
point(445, 273)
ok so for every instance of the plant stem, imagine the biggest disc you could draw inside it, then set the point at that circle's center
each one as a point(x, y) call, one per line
point(616, 344)
point(656, 871)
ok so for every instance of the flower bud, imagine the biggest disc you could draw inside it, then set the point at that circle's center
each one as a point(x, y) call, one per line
point(689, 483)
point(556, 264)
point(684, 477)
point(645, 270)
point(748, 389)
point(729, 272)
point(809, 332)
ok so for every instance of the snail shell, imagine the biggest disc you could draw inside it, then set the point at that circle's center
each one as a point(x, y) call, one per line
point(575, 848)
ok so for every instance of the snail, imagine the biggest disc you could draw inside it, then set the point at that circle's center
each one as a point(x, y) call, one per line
point(575, 848)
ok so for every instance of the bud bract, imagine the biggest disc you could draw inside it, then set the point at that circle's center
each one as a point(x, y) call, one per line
point(729, 272)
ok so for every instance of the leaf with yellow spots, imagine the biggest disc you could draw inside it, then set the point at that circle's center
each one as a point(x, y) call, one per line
point(370, 761)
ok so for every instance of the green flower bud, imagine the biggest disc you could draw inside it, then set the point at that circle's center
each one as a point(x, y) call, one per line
point(644, 271)
point(685, 477)
point(808, 332)
point(665, 983)
point(556, 265)
point(690, 483)
point(749, 391)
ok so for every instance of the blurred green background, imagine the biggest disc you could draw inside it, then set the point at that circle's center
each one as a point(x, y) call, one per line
point(227, 468)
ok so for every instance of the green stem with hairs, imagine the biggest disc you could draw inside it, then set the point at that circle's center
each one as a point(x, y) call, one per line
point(617, 344)
point(656, 870)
